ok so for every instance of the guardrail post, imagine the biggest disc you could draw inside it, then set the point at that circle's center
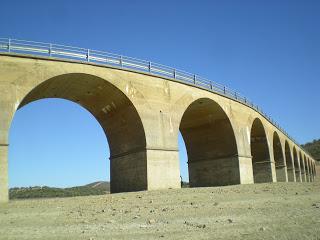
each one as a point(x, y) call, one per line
point(50, 49)
point(121, 62)
point(149, 67)
point(194, 79)
point(174, 74)
point(9, 45)
point(235, 95)
point(224, 89)
point(88, 55)
point(245, 100)
point(211, 85)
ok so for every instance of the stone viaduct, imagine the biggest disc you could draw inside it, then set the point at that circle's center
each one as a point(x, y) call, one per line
point(141, 113)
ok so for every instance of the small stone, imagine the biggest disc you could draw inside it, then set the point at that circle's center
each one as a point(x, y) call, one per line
point(151, 221)
point(135, 217)
point(201, 226)
point(230, 220)
point(103, 210)
point(151, 201)
point(262, 229)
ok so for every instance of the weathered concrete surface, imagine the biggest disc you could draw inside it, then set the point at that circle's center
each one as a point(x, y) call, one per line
point(141, 115)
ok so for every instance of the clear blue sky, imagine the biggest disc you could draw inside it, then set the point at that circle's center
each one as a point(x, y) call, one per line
point(267, 50)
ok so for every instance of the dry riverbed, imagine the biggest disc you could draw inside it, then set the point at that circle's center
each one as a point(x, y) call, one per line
point(260, 211)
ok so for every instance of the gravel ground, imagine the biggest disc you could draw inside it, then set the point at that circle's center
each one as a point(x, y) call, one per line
point(259, 211)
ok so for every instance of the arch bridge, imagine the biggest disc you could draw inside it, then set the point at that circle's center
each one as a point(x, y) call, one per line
point(141, 107)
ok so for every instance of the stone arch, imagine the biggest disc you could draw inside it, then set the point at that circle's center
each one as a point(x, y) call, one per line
point(289, 163)
point(296, 165)
point(117, 116)
point(261, 164)
point(302, 167)
point(279, 158)
point(210, 144)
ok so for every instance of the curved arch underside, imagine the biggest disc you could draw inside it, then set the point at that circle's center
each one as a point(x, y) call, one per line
point(211, 145)
point(261, 163)
point(116, 115)
point(279, 159)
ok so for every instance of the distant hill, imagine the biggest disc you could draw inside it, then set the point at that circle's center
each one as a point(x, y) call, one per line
point(96, 188)
point(313, 148)
point(100, 185)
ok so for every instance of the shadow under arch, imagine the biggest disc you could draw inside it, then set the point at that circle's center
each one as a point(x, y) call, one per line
point(261, 163)
point(302, 168)
point(296, 165)
point(279, 158)
point(289, 162)
point(117, 116)
point(210, 144)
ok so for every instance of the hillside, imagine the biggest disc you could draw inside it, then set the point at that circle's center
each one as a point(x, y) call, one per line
point(313, 148)
point(96, 188)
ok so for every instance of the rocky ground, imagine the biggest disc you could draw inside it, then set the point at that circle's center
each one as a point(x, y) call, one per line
point(260, 211)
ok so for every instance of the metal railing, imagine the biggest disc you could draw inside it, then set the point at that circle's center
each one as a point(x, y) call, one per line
point(114, 60)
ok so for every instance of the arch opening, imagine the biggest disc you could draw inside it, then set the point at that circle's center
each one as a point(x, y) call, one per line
point(279, 158)
point(211, 145)
point(261, 163)
point(296, 165)
point(116, 115)
point(58, 141)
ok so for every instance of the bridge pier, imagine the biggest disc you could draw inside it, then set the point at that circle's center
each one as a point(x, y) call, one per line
point(281, 171)
point(263, 171)
point(4, 193)
point(214, 172)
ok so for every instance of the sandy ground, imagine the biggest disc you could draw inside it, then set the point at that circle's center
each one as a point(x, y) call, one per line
point(260, 211)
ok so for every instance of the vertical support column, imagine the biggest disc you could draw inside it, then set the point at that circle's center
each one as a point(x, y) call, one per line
point(246, 170)
point(4, 192)
point(163, 168)
point(273, 170)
